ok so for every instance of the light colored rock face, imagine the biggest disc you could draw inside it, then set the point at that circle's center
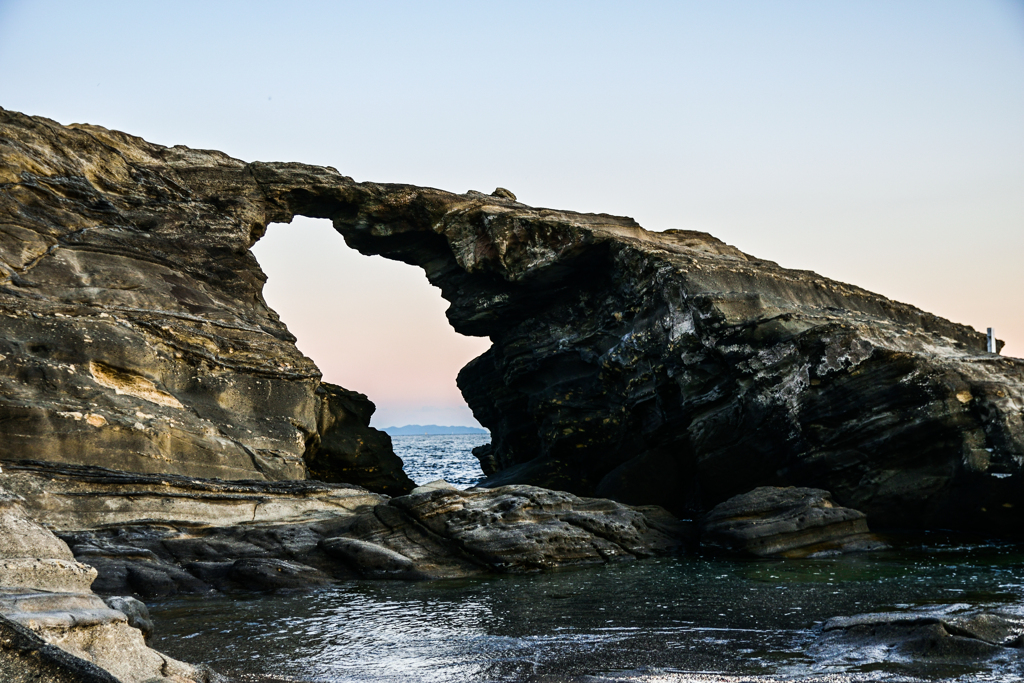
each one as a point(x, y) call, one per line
point(24, 538)
point(156, 536)
point(787, 522)
point(70, 498)
point(436, 485)
point(133, 331)
point(27, 658)
point(121, 650)
point(43, 590)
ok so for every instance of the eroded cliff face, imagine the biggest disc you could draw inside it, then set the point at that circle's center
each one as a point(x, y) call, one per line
point(666, 367)
point(133, 331)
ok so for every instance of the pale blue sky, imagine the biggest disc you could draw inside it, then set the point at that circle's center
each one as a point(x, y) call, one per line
point(879, 143)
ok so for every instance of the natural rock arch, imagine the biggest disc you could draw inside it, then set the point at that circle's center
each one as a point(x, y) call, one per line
point(650, 367)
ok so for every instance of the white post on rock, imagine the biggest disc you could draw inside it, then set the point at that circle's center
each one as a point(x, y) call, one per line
point(992, 341)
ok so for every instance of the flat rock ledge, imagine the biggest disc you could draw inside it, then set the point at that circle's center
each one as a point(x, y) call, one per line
point(787, 522)
point(922, 643)
point(160, 535)
point(54, 628)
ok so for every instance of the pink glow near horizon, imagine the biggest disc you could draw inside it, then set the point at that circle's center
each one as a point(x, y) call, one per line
point(371, 325)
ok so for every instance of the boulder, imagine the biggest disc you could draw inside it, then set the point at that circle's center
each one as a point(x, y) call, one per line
point(991, 628)
point(437, 484)
point(372, 561)
point(275, 574)
point(787, 522)
point(135, 610)
point(938, 643)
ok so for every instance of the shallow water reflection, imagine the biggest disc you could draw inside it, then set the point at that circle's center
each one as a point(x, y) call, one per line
point(655, 619)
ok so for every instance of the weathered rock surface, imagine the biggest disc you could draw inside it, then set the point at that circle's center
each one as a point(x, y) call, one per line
point(787, 522)
point(664, 368)
point(27, 658)
point(160, 535)
point(922, 643)
point(54, 628)
point(133, 331)
point(346, 449)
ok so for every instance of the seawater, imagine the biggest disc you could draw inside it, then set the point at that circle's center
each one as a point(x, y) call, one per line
point(427, 458)
point(687, 618)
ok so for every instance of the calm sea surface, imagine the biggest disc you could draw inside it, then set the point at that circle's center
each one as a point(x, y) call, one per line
point(688, 618)
point(427, 458)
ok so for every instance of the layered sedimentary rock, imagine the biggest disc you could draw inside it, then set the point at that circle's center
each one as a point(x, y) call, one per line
point(54, 628)
point(647, 367)
point(133, 332)
point(159, 535)
point(787, 522)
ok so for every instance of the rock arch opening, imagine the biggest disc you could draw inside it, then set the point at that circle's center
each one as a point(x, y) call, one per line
point(370, 324)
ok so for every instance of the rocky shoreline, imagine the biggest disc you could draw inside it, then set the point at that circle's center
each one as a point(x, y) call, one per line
point(161, 434)
point(54, 628)
point(155, 536)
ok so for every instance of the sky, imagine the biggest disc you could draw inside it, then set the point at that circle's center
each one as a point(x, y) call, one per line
point(879, 143)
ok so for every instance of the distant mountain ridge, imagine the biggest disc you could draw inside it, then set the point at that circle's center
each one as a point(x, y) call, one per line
point(429, 430)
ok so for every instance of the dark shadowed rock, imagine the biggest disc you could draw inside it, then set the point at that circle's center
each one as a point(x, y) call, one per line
point(346, 449)
point(372, 561)
point(994, 629)
point(666, 368)
point(787, 522)
point(275, 574)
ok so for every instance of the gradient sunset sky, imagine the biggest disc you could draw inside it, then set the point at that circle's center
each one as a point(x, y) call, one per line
point(878, 143)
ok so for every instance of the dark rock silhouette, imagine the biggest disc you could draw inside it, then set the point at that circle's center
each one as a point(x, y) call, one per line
point(346, 449)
